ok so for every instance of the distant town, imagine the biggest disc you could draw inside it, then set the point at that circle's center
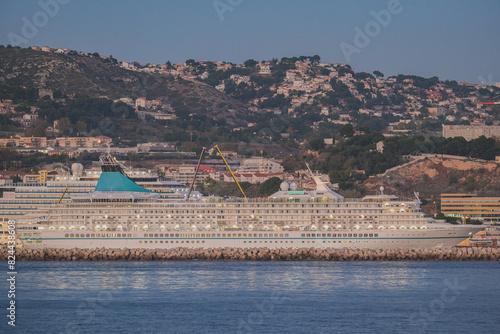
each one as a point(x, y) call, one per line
point(269, 117)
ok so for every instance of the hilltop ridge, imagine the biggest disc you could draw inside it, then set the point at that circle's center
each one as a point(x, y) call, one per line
point(73, 74)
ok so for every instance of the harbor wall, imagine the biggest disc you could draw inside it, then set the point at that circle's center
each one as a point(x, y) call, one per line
point(256, 254)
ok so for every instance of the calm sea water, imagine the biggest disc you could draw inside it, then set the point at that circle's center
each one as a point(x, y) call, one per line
point(255, 297)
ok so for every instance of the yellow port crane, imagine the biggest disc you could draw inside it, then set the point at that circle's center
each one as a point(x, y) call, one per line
point(230, 171)
point(64, 192)
point(42, 177)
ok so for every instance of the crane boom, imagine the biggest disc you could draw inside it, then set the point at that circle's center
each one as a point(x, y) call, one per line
point(42, 178)
point(230, 171)
point(64, 192)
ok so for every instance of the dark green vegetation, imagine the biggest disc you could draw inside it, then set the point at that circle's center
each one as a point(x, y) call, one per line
point(15, 161)
point(221, 188)
point(270, 186)
point(356, 158)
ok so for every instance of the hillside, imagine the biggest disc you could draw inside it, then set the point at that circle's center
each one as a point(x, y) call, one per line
point(73, 74)
point(433, 175)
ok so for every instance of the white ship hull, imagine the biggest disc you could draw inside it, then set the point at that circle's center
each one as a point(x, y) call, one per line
point(369, 239)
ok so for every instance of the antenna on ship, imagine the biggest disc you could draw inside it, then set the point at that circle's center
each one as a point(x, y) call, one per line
point(309, 168)
point(416, 195)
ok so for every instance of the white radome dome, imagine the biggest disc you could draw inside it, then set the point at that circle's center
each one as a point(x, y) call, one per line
point(284, 186)
point(77, 169)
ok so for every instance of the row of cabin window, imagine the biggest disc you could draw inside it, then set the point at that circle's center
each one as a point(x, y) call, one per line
point(340, 235)
point(223, 235)
point(216, 235)
point(172, 241)
point(98, 235)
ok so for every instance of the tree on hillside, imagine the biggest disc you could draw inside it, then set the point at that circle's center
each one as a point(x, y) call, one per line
point(270, 186)
point(340, 89)
point(365, 129)
point(190, 62)
point(250, 63)
point(316, 144)
point(343, 70)
point(483, 148)
point(315, 59)
point(38, 131)
point(64, 125)
point(325, 71)
point(378, 74)
point(182, 113)
point(81, 126)
point(347, 130)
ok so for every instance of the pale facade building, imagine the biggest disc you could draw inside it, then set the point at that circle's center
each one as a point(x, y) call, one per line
point(260, 165)
point(470, 132)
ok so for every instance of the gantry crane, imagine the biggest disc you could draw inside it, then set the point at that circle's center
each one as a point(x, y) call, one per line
point(42, 177)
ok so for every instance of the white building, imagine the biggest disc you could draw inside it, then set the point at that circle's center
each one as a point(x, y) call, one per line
point(470, 132)
point(265, 69)
point(185, 174)
point(141, 102)
point(220, 87)
point(253, 178)
point(29, 119)
point(45, 92)
point(260, 165)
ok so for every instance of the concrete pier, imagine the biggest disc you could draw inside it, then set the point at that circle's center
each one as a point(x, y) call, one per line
point(256, 254)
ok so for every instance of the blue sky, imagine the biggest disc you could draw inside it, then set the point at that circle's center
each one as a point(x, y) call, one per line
point(450, 39)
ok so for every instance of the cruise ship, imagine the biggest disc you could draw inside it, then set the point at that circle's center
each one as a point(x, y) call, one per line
point(36, 193)
point(32, 194)
point(119, 213)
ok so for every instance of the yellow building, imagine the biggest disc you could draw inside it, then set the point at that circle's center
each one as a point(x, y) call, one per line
point(470, 206)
